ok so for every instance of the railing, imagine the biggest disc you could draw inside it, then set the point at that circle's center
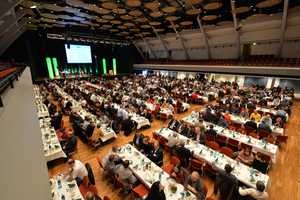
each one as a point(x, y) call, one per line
point(8, 81)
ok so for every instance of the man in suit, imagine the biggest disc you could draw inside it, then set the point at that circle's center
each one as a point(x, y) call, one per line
point(138, 140)
point(91, 196)
point(71, 144)
point(211, 131)
point(189, 132)
point(251, 123)
point(227, 108)
point(182, 150)
point(111, 166)
point(200, 125)
point(173, 124)
point(205, 115)
point(52, 108)
point(113, 125)
point(156, 155)
point(127, 126)
point(69, 105)
point(264, 126)
point(223, 122)
point(199, 136)
point(147, 147)
point(55, 122)
point(90, 129)
point(180, 127)
point(126, 175)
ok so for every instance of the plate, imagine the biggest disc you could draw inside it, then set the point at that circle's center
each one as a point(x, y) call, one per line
point(147, 177)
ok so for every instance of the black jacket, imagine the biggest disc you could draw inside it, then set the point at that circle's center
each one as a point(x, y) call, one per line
point(71, 143)
point(251, 124)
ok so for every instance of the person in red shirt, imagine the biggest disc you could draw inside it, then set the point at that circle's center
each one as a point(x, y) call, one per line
point(157, 108)
point(227, 117)
point(62, 135)
point(194, 96)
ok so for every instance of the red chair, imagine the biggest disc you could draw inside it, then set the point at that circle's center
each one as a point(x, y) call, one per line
point(147, 137)
point(254, 135)
point(93, 189)
point(84, 186)
point(249, 129)
point(94, 144)
point(221, 140)
point(181, 158)
point(270, 140)
point(169, 149)
point(196, 164)
point(268, 159)
point(233, 144)
point(163, 116)
point(209, 169)
point(282, 139)
point(210, 137)
point(106, 198)
point(205, 189)
point(227, 151)
point(154, 136)
point(244, 146)
point(209, 198)
point(101, 166)
point(237, 125)
point(213, 145)
point(263, 134)
point(153, 117)
point(173, 161)
point(232, 128)
point(242, 131)
point(121, 185)
point(140, 190)
point(162, 142)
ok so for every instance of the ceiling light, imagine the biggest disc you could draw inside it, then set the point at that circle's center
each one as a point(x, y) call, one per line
point(21, 8)
point(32, 7)
point(254, 9)
point(271, 15)
point(251, 6)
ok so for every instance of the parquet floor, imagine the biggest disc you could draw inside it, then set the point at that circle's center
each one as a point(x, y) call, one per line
point(284, 175)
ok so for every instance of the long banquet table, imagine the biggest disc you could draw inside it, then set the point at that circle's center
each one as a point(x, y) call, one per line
point(203, 153)
point(150, 175)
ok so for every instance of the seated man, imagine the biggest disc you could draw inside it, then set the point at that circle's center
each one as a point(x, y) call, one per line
point(76, 170)
point(113, 151)
point(226, 173)
point(113, 125)
point(189, 132)
point(147, 146)
point(211, 131)
point(255, 115)
point(180, 127)
point(195, 113)
point(258, 193)
point(97, 133)
point(182, 150)
point(195, 184)
point(156, 155)
point(91, 196)
point(199, 136)
point(251, 123)
point(267, 118)
point(126, 176)
point(173, 124)
point(265, 127)
point(104, 119)
point(62, 135)
point(138, 140)
point(90, 129)
point(173, 139)
point(71, 144)
point(111, 166)
point(223, 122)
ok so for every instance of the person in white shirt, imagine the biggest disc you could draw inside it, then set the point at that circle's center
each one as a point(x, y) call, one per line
point(258, 193)
point(65, 102)
point(195, 113)
point(82, 102)
point(94, 97)
point(76, 170)
point(125, 114)
point(170, 107)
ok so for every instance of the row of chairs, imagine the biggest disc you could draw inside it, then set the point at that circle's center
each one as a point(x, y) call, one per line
point(87, 187)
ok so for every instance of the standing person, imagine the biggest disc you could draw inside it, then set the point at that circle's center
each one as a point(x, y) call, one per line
point(127, 126)
point(76, 170)
point(156, 192)
point(195, 184)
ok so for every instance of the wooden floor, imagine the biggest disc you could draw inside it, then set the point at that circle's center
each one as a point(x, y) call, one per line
point(284, 175)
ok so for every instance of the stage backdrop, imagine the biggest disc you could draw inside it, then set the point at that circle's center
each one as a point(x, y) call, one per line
point(32, 49)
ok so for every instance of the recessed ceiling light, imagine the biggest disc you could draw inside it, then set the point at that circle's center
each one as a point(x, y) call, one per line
point(271, 15)
point(32, 7)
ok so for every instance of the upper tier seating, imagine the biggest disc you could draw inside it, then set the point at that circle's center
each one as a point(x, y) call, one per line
point(270, 61)
point(218, 62)
point(158, 61)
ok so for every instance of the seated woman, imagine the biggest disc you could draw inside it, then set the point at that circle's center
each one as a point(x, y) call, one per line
point(260, 164)
point(279, 122)
point(164, 105)
point(177, 173)
point(245, 113)
point(62, 135)
point(245, 157)
point(227, 117)
point(156, 192)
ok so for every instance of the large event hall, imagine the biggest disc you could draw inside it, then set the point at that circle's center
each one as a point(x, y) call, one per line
point(149, 99)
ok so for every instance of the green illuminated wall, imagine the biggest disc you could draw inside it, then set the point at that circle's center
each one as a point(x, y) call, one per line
point(54, 61)
point(49, 66)
point(104, 66)
point(115, 66)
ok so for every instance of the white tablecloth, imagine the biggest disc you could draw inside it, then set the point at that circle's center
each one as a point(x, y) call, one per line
point(55, 151)
point(147, 175)
point(241, 171)
point(141, 121)
point(65, 189)
point(75, 105)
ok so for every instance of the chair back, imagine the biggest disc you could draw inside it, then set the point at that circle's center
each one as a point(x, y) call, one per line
point(162, 141)
point(196, 164)
point(213, 145)
point(174, 160)
point(210, 137)
point(254, 135)
point(100, 162)
point(250, 111)
point(267, 158)
point(263, 133)
point(153, 116)
point(169, 148)
point(221, 138)
point(163, 116)
point(152, 143)
point(135, 194)
point(270, 140)
point(91, 142)
point(237, 125)
point(209, 198)
point(147, 137)
point(110, 175)
point(227, 151)
point(209, 168)
point(205, 189)
point(242, 131)
point(249, 129)
point(233, 142)
point(93, 189)
point(120, 127)
point(281, 138)
point(155, 135)
point(106, 198)
point(179, 156)
point(232, 128)
point(85, 182)
point(244, 146)
point(261, 112)
point(120, 183)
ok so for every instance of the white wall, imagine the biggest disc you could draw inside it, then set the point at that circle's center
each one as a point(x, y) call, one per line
point(222, 77)
point(265, 48)
point(291, 49)
point(198, 54)
point(182, 75)
point(178, 55)
point(240, 80)
point(223, 53)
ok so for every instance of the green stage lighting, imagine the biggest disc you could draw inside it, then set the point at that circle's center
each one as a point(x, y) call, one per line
point(104, 66)
point(55, 65)
point(115, 66)
point(49, 66)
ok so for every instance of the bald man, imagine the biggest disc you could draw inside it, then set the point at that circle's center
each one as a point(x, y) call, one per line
point(195, 184)
point(91, 196)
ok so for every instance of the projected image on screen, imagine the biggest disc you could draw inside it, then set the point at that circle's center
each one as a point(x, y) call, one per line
point(78, 53)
